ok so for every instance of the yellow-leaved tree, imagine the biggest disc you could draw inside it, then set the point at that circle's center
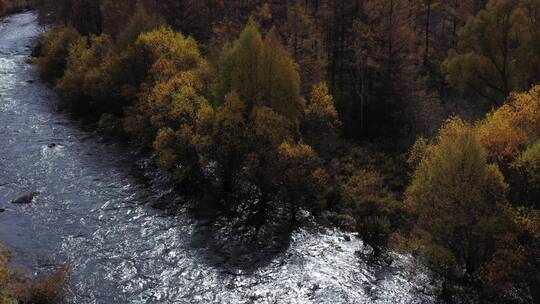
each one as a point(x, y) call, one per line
point(54, 52)
point(321, 120)
point(508, 130)
point(456, 196)
point(257, 134)
point(87, 81)
point(172, 113)
point(262, 73)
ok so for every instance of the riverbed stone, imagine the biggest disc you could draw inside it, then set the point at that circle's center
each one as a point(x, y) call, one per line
point(26, 199)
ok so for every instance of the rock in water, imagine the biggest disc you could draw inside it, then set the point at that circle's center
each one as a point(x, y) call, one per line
point(2, 210)
point(26, 199)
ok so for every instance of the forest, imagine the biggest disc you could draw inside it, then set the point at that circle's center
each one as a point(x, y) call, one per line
point(12, 7)
point(413, 123)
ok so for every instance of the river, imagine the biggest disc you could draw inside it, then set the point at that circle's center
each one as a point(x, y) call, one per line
point(95, 209)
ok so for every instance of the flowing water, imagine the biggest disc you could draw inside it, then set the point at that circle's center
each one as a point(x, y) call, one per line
point(95, 209)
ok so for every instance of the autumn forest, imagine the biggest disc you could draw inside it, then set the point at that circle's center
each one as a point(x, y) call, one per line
point(414, 124)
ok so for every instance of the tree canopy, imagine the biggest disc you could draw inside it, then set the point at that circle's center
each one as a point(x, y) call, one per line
point(497, 51)
point(261, 72)
point(455, 194)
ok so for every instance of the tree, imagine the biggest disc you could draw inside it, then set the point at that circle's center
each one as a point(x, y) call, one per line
point(456, 196)
point(280, 89)
point(497, 51)
point(54, 11)
point(267, 130)
point(15, 287)
point(261, 72)
point(511, 128)
point(436, 30)
point(172, 114)
point(238, 66)
point(304, 40)
point(304, 181)
point(256, 131)
point(510, 135)
point(86, 17)
point(530, 162)
point(321, 123)
point(183, 120)
point(140, 22)
point(191, 17)
point(116, 14)
point(513, 273)
point(83, 15)
point(380, 65)
point(230, 140)
point(164, 62)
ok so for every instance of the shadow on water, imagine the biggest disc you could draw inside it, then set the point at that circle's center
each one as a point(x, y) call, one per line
point(222, 240)
point(236, 247)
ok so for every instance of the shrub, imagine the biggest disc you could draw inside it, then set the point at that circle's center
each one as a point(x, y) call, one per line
point(528, 186)
point(50, 288)
point(86, 82)
point(55, 47)
point(5, 276)
point(111, 125)
point(366, 198)
point(529, 162)
point(515, 267)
